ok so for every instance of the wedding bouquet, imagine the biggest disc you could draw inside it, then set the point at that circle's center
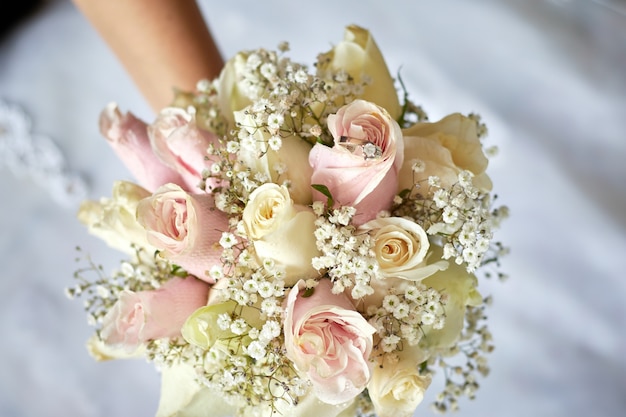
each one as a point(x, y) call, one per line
point(300, 242)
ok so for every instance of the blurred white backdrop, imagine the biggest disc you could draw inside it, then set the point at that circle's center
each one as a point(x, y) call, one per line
point(549, 79)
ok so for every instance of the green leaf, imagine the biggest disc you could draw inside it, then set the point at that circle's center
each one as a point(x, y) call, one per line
point(178, 271)
point(324, 190)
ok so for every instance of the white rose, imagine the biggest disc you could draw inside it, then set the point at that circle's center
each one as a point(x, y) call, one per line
point(114, 220)
point(281, 231)
point(292, 157)
point(360, 57)
point(402, 248)
point(396, 387)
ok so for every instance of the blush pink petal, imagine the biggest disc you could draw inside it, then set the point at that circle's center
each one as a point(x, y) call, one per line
point(180, 144)
point(138, 317)
point(367, 184)
point(128, 137)
point(168, 307)
point(369, 188)
point(329, 341)
point(186, 227)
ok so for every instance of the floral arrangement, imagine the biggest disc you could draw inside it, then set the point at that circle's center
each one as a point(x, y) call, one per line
point(299, 242)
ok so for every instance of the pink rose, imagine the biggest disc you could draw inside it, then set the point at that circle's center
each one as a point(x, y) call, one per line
point(178, 141)
point(329, 341)
point(361, 170)
point(138, 317)
point(185, 227)
point(128, 137)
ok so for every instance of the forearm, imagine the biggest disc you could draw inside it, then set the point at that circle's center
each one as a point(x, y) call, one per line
point(163, 44)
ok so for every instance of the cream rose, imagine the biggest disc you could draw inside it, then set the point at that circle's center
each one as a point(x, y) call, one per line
point(281, 231)
point(287, 164)
point(328, 341)
point(360, 57)
point(114, 220)
point(460, 288)
point(185, 227)
point(444, 149)
point(401, 248)
point(361, 169)
point(397, 387)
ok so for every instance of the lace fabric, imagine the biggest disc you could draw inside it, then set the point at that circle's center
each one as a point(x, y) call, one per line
point(28, 154)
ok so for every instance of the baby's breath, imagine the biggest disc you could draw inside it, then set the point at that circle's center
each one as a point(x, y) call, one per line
point(100, 291)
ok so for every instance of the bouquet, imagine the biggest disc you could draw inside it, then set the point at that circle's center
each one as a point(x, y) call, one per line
point(298, 242)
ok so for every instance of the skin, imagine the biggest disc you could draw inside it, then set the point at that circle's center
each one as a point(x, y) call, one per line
point(163, 44)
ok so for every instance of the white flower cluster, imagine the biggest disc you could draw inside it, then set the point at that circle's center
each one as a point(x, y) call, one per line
point(140, 273)
point(461, 377)
point(461, 215)
point(347, 257)
point(286, 100)
point(402, 315)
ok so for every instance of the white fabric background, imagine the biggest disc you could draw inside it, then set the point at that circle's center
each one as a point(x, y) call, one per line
point(549, 79)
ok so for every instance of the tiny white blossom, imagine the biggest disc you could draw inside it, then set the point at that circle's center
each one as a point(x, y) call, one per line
point(428, 318)
point(270, 330)
point(238, 326)
point(301, 76)
point(250, 286)
point(241, 297)
point(434, 181)
point(275, 121)
point(215, 168)
point(492, 151)
point(448, 251)
point(216, 272)
point(256, 350)
point(401, 311)
point(265, 289)
point(390, 302)
point(103, 292)
point(390, 342)
point(465, 178)
point(224, 321)
point(450, 214)
point(315, 130)
point(318, 208)
point(418, 166)
point(228, 240)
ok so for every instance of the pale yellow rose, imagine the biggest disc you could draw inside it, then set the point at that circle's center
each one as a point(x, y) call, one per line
point(114, 219)
point(397, 387)
point(281, 231)
point(202, 328)
point(292, 157)
point(401, 248)
point(444, 149)
point(460, 288)
point(360, 57)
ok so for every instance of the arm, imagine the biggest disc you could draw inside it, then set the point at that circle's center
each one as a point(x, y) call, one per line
point(163, 44)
